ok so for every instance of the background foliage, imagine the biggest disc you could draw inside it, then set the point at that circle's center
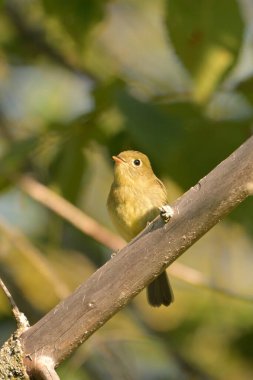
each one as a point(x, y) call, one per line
point(82, 80)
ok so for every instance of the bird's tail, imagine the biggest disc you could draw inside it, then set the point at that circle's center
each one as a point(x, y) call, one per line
point(159, 292)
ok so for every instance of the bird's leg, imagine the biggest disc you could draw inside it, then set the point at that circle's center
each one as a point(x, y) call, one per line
point(166, 212)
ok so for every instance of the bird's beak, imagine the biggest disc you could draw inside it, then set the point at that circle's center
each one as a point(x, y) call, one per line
point(117, 159)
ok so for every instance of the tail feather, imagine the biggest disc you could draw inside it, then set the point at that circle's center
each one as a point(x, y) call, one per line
point(159, 292)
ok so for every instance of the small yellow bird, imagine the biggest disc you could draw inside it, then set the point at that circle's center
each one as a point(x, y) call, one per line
point(135, 198)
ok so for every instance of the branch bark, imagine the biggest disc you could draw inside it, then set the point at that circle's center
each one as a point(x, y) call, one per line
point(112, 286)
point(92, 228)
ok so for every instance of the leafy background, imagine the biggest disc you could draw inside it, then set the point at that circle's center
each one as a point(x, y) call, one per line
point(82, 80)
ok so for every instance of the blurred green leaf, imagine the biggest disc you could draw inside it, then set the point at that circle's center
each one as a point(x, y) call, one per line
point(76, 16)
point(180, 141)
point(207, 36)
point(67, 168)
point(181, 132)
point(16, 158)
point(242, 344)
point(246, 87)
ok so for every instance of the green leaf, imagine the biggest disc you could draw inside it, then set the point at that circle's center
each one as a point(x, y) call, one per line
point(77, 16)
point(15, 159)
point(207, 36)
point(67, 168)
point(246, 87)
point(180, 141)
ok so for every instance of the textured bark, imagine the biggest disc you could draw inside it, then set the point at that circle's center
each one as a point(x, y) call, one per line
point(111, 287)
point(11, 359)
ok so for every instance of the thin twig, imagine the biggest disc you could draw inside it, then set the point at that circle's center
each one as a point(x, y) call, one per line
point(29, 252)
point(70, 213)
point(22, 322)
point(196, 278)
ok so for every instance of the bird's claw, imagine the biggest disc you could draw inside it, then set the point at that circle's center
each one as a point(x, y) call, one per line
point(166, 212)
point(114, 254)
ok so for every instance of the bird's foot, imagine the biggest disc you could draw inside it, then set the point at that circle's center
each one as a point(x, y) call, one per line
point(166, 212)
point(114, 254)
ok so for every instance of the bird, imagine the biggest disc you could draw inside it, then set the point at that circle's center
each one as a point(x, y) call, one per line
point(136, 197)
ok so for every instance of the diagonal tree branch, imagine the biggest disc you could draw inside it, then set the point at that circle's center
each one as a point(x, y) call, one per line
point(113, 285)
point(92, 228)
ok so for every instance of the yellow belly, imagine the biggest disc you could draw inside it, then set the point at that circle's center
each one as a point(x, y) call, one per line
point(131, 212)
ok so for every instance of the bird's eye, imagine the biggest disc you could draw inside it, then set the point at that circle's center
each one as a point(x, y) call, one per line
point(137, 162)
